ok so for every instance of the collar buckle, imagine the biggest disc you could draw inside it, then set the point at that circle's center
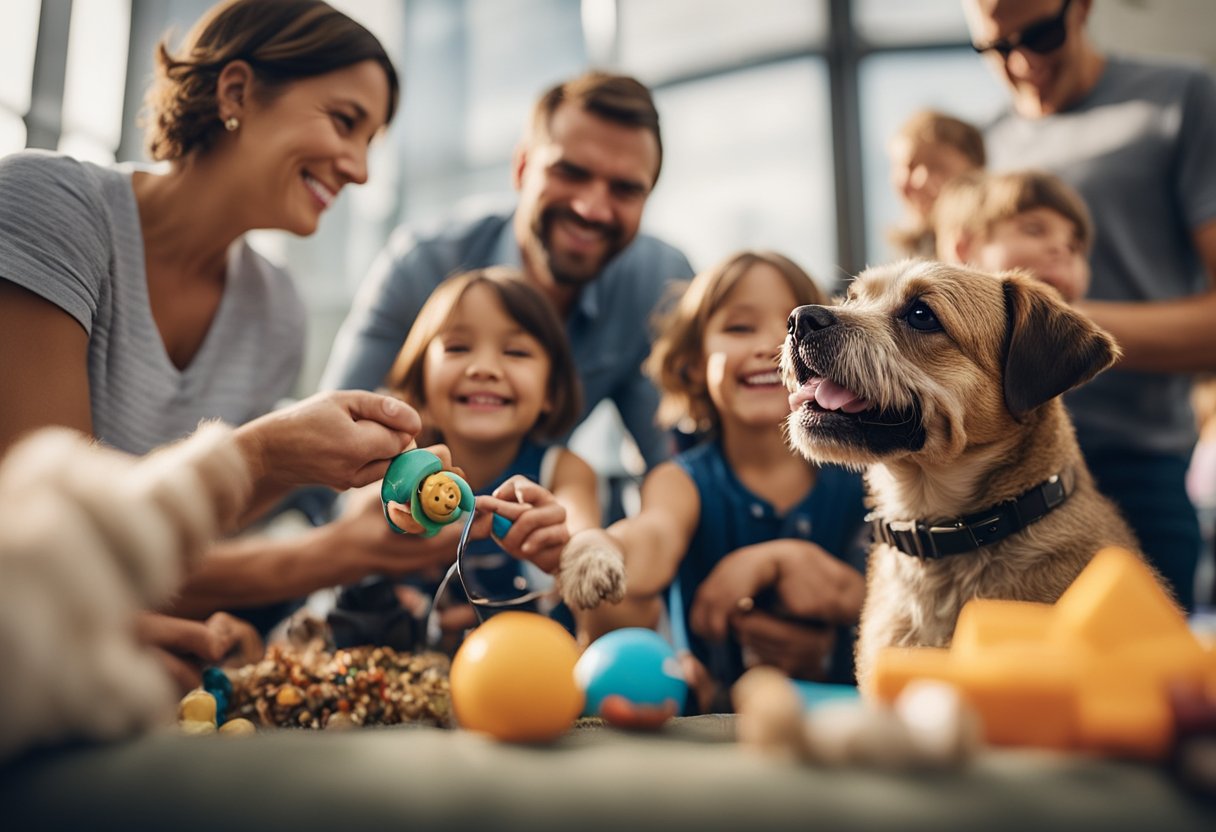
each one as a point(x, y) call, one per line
point(1053, 491)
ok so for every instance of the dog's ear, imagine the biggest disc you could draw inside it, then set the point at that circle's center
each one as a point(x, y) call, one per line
point(1049, 347)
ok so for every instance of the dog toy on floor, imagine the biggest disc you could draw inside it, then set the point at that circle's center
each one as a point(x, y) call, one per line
point(514, 679)
point(632, 679)
point(435, 497)
point(201, 713)
point(930, 725)
point(1092, 672)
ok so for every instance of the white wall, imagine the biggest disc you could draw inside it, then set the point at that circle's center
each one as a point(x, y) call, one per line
point(1184, 29)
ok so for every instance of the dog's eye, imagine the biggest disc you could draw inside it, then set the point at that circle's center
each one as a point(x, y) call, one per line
point(920, 317)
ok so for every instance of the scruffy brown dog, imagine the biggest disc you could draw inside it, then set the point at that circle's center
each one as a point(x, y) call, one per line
point(942, 383)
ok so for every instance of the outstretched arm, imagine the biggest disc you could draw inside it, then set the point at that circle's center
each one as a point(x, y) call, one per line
point(652, 543)
point(576, 488)
point(1166, 336)
point(260, 569)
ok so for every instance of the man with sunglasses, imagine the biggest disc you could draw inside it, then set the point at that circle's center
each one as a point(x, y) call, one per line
point(1138, 141)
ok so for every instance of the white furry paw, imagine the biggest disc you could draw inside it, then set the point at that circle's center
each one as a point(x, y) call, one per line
point(592, 571)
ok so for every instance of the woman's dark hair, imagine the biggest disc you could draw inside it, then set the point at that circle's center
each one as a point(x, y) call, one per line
point(282, 40)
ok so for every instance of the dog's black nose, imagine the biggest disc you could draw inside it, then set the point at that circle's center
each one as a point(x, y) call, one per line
point(807, 319)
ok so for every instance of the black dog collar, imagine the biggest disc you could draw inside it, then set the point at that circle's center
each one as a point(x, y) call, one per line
point(966, 534)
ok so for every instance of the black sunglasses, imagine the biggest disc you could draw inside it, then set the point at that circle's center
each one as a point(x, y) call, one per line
point(1044, 36)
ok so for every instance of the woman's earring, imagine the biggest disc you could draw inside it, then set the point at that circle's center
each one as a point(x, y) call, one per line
point(231, 124)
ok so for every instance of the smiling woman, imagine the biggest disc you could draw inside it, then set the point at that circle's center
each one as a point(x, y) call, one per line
point(140, 285)
point(131, 306)
point(296, 90)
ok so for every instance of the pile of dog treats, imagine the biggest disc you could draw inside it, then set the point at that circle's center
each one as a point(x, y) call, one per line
point(314, 688)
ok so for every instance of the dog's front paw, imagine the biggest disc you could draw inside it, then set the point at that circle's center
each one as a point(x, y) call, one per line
point(592, 571)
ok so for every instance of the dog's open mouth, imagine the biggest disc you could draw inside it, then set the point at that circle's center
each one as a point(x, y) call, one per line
point(824, 394)
point(823, 400)
point(828, 411)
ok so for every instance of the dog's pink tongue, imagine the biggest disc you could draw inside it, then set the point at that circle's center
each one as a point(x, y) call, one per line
point(831, 396)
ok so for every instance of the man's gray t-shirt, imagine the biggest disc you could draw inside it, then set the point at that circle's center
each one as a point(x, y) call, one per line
point(1141, 150)
point(609, 327)
point(70, 233)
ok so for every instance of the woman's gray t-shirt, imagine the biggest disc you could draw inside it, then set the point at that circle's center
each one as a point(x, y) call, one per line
point(70, 233)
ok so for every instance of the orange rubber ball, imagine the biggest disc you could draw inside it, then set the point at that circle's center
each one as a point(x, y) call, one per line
point(513, 678)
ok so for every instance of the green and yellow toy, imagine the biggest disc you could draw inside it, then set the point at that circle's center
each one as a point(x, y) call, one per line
point(435, 497)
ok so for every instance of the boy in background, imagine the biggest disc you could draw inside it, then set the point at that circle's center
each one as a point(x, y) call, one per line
point(1028, 220)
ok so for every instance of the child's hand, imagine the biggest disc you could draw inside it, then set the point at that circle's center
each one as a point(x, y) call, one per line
point(538, 522)
point(705, 693)
point(803, 651)
point(809, 582)
point(402, 518)
point(813, 584)
point(592, 570)
point(185, 647)
point(736, 580)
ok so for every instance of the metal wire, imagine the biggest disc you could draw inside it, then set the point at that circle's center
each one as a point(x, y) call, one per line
point(433, 632)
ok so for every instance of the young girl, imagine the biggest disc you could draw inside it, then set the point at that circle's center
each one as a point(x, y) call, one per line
point(488, 367)
point(740, 512)
point(930, 149)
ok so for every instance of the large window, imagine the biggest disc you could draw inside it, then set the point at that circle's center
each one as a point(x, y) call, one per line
point(18, 37)
point(95, 79)
point(742, 89)
point(776, 113)
point(661, 41)
point(749, 94)
point(742, 169)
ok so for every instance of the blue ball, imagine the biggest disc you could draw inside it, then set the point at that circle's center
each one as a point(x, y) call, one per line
point(634, 663)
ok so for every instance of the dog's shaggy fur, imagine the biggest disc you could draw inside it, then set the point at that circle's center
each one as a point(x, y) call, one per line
point(942, 383)
point(88, 536)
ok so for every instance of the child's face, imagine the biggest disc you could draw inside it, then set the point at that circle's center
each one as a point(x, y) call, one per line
point(920, 168)
point(484, 376)
point(740, 345)
point(1041, 241)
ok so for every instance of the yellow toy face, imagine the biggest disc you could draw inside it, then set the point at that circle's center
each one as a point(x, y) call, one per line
point(440, 497)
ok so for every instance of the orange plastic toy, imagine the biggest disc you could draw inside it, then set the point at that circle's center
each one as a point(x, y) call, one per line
point(1091, 672)
point(513, 678)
